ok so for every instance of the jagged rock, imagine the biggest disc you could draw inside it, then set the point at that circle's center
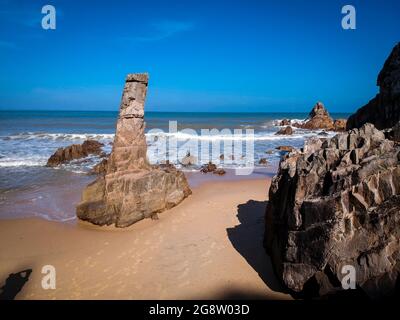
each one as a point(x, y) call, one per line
point(339, 124)
point(209, 167)
point(285, 131)
point(384, 110)
point(263, 161)
point(131, 189)
point(285, 148)
point(74, 151)
point(337, 203)
point(318, 118)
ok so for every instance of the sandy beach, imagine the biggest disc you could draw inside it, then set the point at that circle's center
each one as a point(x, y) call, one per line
point(209, 247)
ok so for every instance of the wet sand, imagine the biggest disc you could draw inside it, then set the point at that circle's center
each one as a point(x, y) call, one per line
point(208, 247)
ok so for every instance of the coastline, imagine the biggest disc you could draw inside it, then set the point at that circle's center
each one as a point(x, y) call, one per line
point(179, 256)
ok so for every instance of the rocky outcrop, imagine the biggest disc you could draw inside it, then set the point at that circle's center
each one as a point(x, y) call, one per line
point(384, 110)
point(75, 151)
point(318, 118)
point(131, 188)
point(285, 131)
point(337, 203)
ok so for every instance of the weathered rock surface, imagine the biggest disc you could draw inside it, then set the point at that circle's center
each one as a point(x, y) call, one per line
point(73, 152)
point(384, 110)
point(285, 131)
point(131, 188)
point(337, 203)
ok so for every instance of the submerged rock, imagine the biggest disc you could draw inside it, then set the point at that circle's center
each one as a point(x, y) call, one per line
point(131, 188)
point(337, 203)
point(75, 151)
point(384, 110)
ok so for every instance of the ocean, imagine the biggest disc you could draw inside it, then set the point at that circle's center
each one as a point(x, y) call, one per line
point(28, 138)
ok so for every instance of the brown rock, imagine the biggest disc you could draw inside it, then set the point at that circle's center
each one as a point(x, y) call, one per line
point(285, 148)
point(73, 152)
point(285, 131)
point(384, 110)
point(209, 167)
point(219, 172)
point(284, 122)
point(131, 188)
point(318, 118)
point(337, 203)
point(339, 125)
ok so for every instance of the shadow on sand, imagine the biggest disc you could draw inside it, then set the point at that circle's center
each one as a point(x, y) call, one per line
point(247, 239)
point(14, 284)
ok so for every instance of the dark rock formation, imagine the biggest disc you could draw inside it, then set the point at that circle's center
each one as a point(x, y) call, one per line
point(73, 152)
point(337, 203)
point(285, 131)
point(131, 188)
point(384, 110)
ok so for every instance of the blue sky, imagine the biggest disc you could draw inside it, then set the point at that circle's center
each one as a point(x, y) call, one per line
point(254, 56)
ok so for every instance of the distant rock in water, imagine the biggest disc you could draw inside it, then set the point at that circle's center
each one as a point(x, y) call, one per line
point(384, 110)
point(336, 204)
point(285, 131)
point(319, 118)
point(75, 151)
point(131, 189)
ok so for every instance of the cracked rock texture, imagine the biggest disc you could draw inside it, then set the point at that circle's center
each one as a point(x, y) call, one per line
point(337, 203)
point(131, 189)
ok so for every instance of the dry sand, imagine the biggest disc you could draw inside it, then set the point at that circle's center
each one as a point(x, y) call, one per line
point(208, 247)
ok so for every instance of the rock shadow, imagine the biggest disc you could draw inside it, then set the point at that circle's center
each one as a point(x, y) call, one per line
point(14, 284)
point(247, 239)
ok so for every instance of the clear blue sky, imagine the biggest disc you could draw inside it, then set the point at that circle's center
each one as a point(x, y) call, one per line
point(201, 55)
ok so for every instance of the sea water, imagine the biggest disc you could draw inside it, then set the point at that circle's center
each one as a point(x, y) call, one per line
point(29, 138)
